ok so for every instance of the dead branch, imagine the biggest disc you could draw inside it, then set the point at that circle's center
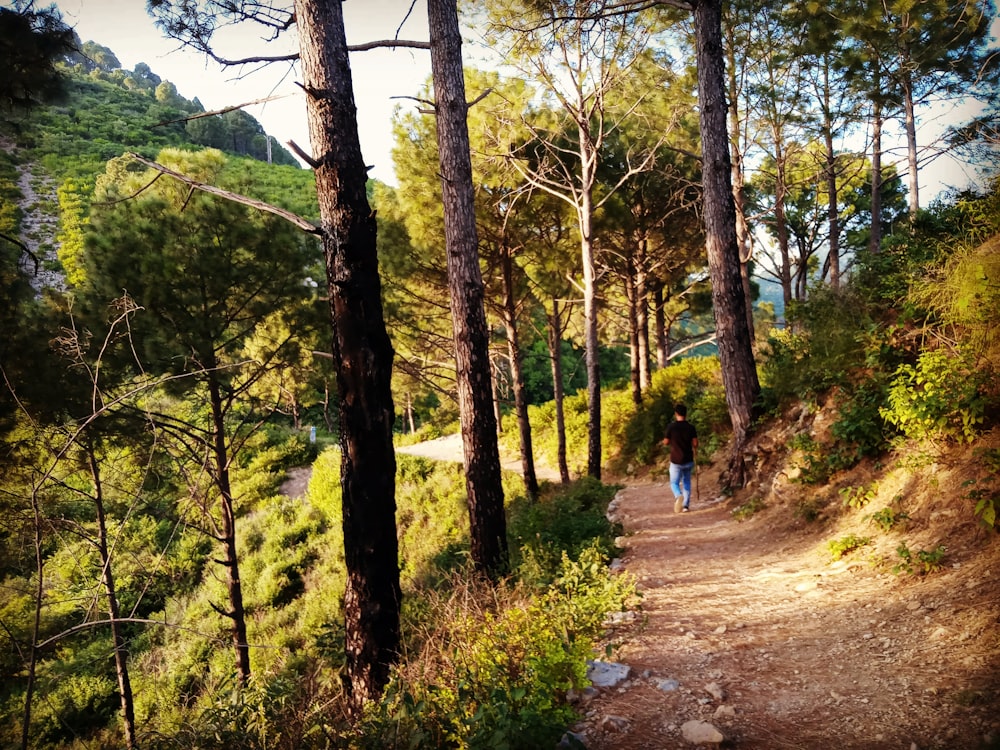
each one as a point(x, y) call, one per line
point(298, 221)
point(224, 110)
point(24, 249)
point(302, 154)
point(388, 43)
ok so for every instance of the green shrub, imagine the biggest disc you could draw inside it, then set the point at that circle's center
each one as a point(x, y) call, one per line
point(496, 673)
point(76, 705)
point(859, 422)
point(563, 522)
point(937, 398)
point(847, 544)
point(859, 497)
point(808, 510)
point(819, 351)
point(928, 561)
point(985, 492)
point(748, 509)
point(888, 518)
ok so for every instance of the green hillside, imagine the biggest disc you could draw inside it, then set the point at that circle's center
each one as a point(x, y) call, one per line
point(108, 110)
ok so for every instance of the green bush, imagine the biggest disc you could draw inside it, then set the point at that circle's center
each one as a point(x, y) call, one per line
point(847, 544)
point(859, 497)
point(497, 672)
point(887, 518)
point(927, 561)
point(749, 509)
point(563, 522)
point(937, 398)
point(820, 350)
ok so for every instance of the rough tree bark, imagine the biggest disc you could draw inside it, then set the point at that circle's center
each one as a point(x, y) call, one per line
point(362, 354)
point(555, 332)
point(118, 640)
point(743, 238)
point(231, 560)
point(488, 524)
point(739, 373)
point(517, 374)
point(585, 213)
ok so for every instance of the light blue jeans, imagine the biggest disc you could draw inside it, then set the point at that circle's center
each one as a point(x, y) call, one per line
point(680, 481)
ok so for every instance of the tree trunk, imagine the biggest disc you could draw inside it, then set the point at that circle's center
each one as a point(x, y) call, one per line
point(780, 222)
point(588, 160)
point(642, 318)
point(631, 301)
point(743, 239)
point(875, 240)
point(739, 373)
point(517, 375)
point(555, 356)
point(488, 525)
point(118, 641)
point(36, 618)
point(910, 125)
point(362, 354)
point(231, 561)
point(833, 198)
point(660, 327)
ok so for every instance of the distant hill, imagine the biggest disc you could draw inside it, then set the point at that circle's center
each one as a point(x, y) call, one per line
point(108, 110)
point(50, 157)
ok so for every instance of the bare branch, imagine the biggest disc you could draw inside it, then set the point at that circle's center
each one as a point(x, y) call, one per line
point(479, 98)
point(222, 111)
point(24, 248)
point(388, 43)
point(298, 221)
point(302, 154)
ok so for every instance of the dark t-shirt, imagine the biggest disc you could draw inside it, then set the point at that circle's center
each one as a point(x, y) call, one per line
point(681, 436)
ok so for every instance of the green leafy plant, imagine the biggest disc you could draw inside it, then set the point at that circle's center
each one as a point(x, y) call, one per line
point(985, 493)
point(887, 518)
point(859, 497)
point(928, 561)
point(808, 510)
point(748, 509)
point(938, 397)
point(847, 544)
point(812, 459)
point(496, 672)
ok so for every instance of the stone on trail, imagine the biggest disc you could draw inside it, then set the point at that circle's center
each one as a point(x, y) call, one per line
point(702, 733)
point(606, 674)
point(667, 685)
point(612, 723)
point(724, 712)
point(715, 691)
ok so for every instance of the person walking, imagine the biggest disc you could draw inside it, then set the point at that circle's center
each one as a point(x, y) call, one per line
point(682, 437)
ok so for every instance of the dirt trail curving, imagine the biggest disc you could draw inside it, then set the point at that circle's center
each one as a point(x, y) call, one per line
point(750, 627)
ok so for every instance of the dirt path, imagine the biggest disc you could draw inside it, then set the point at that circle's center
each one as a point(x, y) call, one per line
point(753, 629)
point(449, 448)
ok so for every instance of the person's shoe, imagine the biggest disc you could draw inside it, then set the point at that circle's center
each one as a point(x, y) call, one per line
point(678, 503)
point(685, 509)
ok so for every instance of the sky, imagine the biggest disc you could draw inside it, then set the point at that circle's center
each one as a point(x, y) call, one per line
point(381, 77)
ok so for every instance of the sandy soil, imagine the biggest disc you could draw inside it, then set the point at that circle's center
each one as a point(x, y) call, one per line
point(753, 628)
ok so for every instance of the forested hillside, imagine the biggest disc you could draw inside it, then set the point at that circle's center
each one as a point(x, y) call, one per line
point(174, 351)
